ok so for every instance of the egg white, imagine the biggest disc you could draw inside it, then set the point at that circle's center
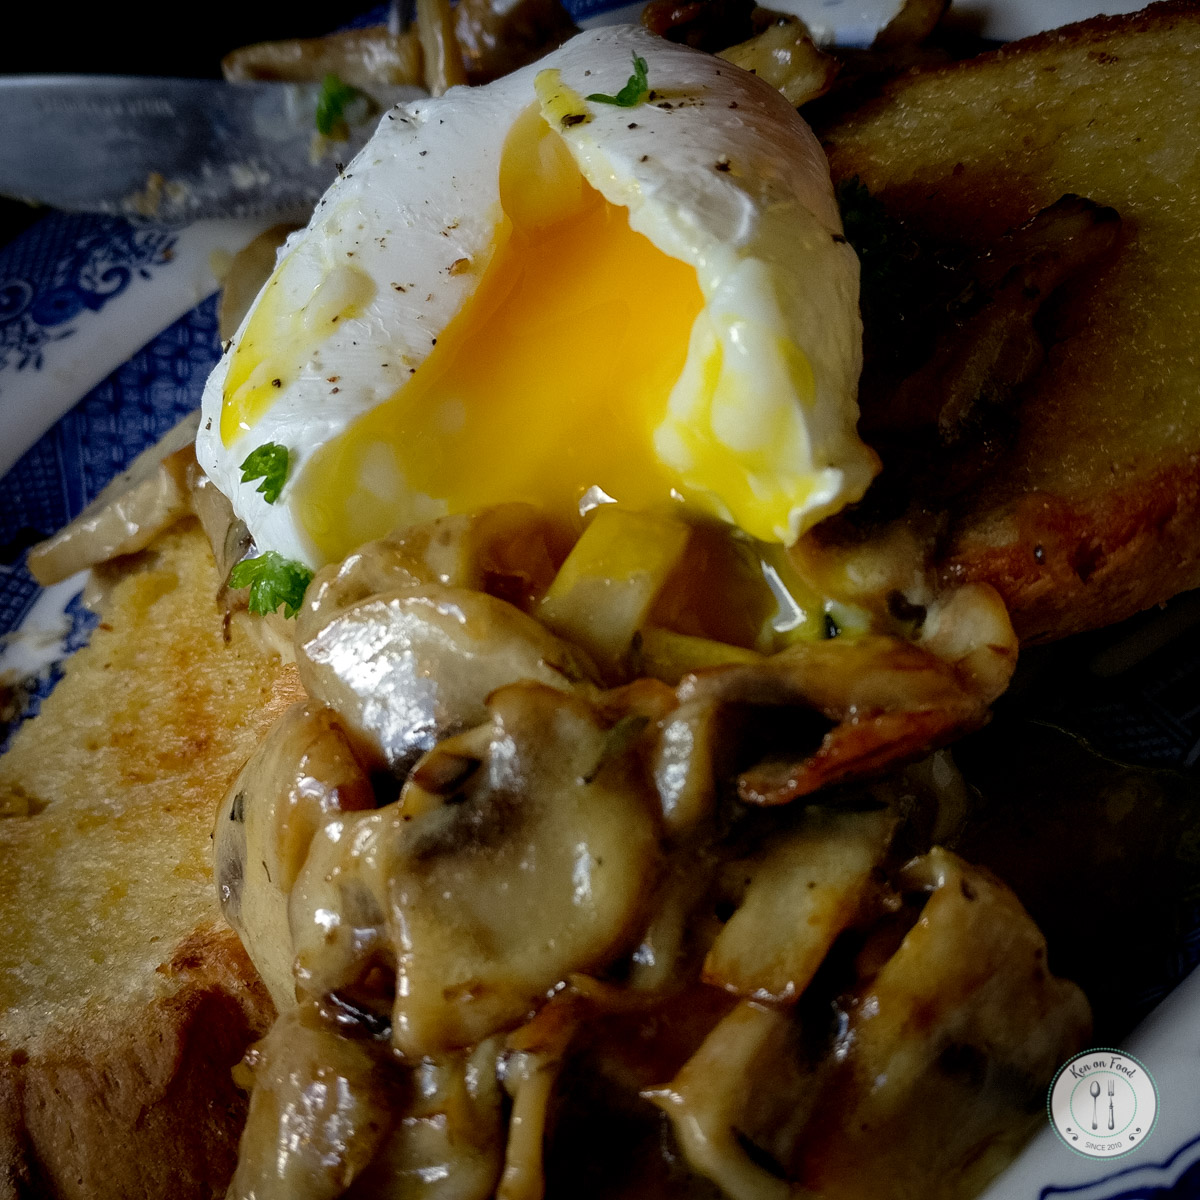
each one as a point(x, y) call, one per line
point(716, 169)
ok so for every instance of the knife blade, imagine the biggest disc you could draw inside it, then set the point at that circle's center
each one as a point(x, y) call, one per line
point(175, 150)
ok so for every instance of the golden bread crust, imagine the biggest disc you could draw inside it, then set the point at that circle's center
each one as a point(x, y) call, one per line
point(125, 999)
point(143, 1107)
point(1086, 521)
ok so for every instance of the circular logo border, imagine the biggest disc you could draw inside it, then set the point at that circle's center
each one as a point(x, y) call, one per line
point(1074, 1059)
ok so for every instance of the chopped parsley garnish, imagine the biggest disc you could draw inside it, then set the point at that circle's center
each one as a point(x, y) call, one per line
point(273, 580)
point(331, 106)
point(270, 464)
point(635, 90)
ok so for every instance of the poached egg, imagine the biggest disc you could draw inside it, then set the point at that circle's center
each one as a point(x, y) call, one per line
point(518, 292)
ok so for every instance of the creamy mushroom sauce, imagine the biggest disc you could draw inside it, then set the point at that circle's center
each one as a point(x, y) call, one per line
point(538, 923)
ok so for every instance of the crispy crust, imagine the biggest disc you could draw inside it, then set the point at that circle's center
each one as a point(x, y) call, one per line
point(138, 1107)
point(1164, 16)
point(1064, 568)
point(1094, 514)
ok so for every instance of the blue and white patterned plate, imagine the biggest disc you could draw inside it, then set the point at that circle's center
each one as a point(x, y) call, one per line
point(107, 333)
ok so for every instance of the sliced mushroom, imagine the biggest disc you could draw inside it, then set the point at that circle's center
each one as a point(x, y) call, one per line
point(442, 59)
point(361, 57)
point(447, 1142)
point(786, 57)
point(538, 863)
point(889, 573)
point(498, 36)
point(533, 1060)
point(227, 533)
point(605, 591)
point(804, 890)
point(708, 1101)
point(705, 24)
point(840, 678)
point(509, 551)
point(845, 708)
point(858, 748)
point(302, 773)
point(407, 668)
point(977, 368)
point(330, 1114)
point(685, 758)
point(677, 933)
point(936, 1072)
point(338, 917)
point(320, 1109)
point(148, 497)
point(969, 628)
point(951, 1047)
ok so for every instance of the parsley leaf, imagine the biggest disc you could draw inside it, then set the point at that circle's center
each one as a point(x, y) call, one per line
point(331, 106)
point(273, 580)
point(270, 464)
point(635, 90)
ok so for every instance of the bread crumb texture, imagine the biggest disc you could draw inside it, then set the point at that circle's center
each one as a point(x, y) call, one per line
point(124, 997)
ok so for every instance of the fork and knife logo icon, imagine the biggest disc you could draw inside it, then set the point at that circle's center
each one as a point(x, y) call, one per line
point(1095, 1092)
point(1123, 1106)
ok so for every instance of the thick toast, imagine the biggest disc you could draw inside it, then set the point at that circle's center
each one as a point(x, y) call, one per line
point(1093, 515)
point(124, 998)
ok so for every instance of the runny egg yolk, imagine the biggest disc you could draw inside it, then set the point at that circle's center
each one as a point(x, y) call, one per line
point(548, 382)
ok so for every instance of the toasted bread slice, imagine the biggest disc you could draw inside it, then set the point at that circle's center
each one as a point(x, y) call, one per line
point(124, 998)
point(1095, 513)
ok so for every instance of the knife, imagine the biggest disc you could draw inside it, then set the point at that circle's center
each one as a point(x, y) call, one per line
point(176, 150)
